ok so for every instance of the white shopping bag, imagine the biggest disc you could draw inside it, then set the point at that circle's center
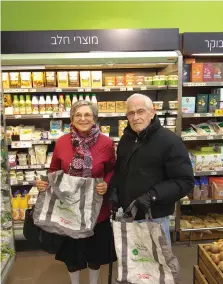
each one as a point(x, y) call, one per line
point(69, 207)
point(143, 253)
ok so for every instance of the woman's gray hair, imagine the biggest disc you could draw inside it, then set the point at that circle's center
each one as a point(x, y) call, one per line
point(79, 104)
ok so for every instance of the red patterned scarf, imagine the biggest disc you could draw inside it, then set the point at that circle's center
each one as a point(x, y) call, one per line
point(81, 164)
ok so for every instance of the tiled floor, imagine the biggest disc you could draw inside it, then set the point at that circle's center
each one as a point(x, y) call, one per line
point(37, 267)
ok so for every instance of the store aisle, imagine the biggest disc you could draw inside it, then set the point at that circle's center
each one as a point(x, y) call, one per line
point(41, 268)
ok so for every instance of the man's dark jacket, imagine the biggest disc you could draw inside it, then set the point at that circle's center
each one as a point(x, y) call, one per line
point(154, 161)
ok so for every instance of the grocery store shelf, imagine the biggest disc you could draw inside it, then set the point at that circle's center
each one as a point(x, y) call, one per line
point(89, 90)
point(112, 114)
point(208, 173)
point(30, 167)
point(203, 84)
point(201, 229)
point(191, 115)
point(23, 183)
point(204, 138)
point(194, 202)
point(26, 144)
point(6, 268)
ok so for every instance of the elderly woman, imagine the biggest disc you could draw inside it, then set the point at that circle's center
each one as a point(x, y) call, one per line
point(85, 152)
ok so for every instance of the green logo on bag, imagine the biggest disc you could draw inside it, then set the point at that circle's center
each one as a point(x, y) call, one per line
point(136, 257)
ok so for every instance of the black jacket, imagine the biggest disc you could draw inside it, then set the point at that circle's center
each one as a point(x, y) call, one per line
point(157, 161)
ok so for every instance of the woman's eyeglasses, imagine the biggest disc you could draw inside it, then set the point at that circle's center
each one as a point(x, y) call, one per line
point(86, 116)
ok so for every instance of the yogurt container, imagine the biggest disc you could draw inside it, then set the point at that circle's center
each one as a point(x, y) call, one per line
point(162, 120)
point(148, 81)
point(171, 121)
point(171, 128)
point(173, 104)
point(172, 80)
point(158, 105)
point(159, 80)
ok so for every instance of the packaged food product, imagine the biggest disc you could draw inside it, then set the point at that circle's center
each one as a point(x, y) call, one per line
point(20, 175)
point(218, 127)
point(197, 191)
point(40, 151)
point(32, 156)
point(38, 79)
point(218, 72)
point(26, 79)
point(40, 173)
point(130, 79)
point(188, 104)
point(15, 207)
point(14, 79)
point(120, 106)
point(186, 73)
point(22, 105)
point(110, 107)
point(28, 104)
point(73, 79)
point(197, 72)
point(50, 79)
point(12, 159)
point(49, 158)
point(202, 103)
point(62, 79)
point(148, 80)
point(109, 81)
point(55, 128)
point(204, 129)
point(213, 102)
point(85, 78)
point(22, 156)
point(171, 121)
point(172, 80)
point(158, 105)
point(66, 128)
point(120, 81)
point(7, 100)
point(13, 177)
point(106, 130)
point(208, 72)
point(171, 128)
point(5, 80)
point(216, 187)
point(102, 106)
point(162, 120)
point(173, 104)
point(61, 103)
point(204, 188)
point(139, 81)
point(159, 80)
point(123, 123)
point(96, 79)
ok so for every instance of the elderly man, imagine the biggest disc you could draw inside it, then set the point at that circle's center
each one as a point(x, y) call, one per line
point(153, 166)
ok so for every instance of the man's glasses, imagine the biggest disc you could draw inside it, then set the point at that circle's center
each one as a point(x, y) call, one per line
point(140, 112)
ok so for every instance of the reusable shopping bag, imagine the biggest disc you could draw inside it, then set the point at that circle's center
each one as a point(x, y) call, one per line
point(70, 206)
point(144, 256)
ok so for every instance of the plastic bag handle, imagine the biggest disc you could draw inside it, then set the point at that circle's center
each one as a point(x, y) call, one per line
point(133, 209)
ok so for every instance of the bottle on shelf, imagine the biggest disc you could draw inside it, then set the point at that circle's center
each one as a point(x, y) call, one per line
point(87, 98)
point(42, 105)
point(23, 205)
point(49, 109)
point(28, 104)
point(22, 107)
point(81, 97)
point(55, 104)
point(61, 103)
point(35, 105)
point(67, 103)
point(94, 100)
point(15, 104)
point(74, 100)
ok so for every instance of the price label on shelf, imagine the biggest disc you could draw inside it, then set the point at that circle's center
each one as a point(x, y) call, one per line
point(18, 116)
point(88, 90)
point(159, 113)
point(107, 89)
point(122, 89)
point(35, 167)
point(22, 167)
point(25, 183)
point(22, 90)
point(21, 144)
point(191, 138)
point(47, 166)
point(122, 114)
point(219, 201)
point(32, 90)
point(197, 115)
point(209, 115)
point(207, 201)
point(210, 137)
point(143, 88)
point(80, 90)
point(47, 142)
point(114, 114)
point(213, 173)
point(45, 115)
point(219, 112)
point(186, 202)
point(129, 88)
point(58, 90)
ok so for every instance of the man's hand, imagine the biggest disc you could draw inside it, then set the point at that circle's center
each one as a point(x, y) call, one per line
point(41, 185)
point(101, 188)
point(144, 202)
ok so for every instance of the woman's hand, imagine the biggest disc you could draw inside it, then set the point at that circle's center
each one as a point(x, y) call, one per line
point(41, 185)
point(101, 188)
